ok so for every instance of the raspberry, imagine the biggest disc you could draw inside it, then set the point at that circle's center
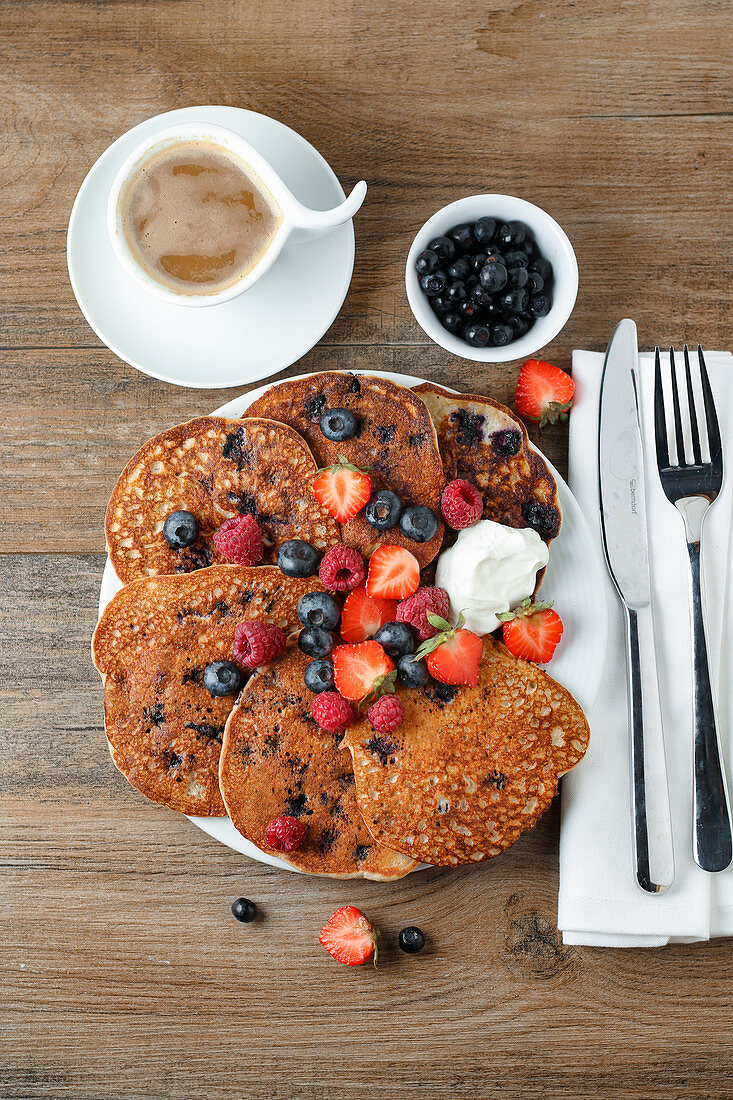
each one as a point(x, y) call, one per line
point(341, 569)
point(239, 540)
point(461, 504)
point(331, 711)
point(284, 834)
point(414, 610)
point(256, 644)
point(386, 713)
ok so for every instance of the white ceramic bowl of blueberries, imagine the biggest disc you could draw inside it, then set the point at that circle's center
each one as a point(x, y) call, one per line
point(491, 278)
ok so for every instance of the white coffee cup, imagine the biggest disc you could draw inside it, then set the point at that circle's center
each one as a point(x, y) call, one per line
point(296, 220)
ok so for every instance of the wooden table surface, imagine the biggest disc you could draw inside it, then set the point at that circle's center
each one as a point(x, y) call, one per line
point(122, 971)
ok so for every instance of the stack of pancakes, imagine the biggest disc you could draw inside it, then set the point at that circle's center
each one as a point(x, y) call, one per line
point(467, 771)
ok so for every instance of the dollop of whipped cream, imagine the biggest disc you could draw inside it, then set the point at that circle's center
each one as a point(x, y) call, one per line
point(490, 569)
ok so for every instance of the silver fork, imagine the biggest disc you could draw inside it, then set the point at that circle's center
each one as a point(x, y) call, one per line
point(692, 486)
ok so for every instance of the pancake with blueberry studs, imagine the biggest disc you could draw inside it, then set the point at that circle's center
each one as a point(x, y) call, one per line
point(483, 442)
point(469, 769)
point(212, 469)
point(389, 431)
point(153, 645)
point(276, 762)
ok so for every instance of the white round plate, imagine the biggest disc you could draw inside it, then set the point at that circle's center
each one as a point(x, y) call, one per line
point(234, 343)
point(574, 581)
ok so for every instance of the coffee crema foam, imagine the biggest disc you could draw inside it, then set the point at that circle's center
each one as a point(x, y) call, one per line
point(195, 220)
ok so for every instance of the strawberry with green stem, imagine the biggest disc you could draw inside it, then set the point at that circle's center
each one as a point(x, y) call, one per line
point(453, 655)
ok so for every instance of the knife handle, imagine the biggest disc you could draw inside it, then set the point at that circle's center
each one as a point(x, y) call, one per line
point(653, 849)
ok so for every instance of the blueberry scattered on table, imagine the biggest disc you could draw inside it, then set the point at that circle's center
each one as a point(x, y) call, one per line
point(244, 910)
point(486, 281)
point(411, 940)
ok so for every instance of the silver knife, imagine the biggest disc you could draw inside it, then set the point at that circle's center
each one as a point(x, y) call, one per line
point(623, 528)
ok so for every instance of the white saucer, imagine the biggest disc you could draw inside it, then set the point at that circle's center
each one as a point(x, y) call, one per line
point(574, 581)
point(257, 334)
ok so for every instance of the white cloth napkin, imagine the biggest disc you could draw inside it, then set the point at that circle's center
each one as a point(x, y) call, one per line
point(599, 902)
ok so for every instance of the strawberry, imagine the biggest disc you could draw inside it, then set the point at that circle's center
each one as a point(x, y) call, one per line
point(361, 670)
point(544, 392)
point(343, 489)
point(349, 937)
point(362, 616)
point(532, 631)
point(394, 573)
point(453, 655)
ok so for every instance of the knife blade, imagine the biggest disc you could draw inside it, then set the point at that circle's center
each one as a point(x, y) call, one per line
point(625, 546)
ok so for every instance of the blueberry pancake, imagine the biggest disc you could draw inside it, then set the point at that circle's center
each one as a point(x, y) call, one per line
point(152, 646)
point(393, 435)
point(469, 769)
point(275, 761)
point(483, 442)
point(213, 468)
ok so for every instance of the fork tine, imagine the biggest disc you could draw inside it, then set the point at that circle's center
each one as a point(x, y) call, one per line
point(696, 452)
point(660, 422)
point(714, 443)
point(679, 437)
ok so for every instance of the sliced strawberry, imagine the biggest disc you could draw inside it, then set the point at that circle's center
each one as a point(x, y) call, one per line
point(359, 670)
point(544, 392)
point(343, 489)
point(532, 631)
point(362, 616)
point(349, 937)
point(394, 573)
point(453, 656)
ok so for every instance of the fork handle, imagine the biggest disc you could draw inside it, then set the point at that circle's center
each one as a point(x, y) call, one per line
point(713, 846)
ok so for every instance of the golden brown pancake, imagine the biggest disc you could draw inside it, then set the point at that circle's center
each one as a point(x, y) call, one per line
point(151, 647)
point(483, 442)
point(469, 769)
point(396, 440)
point(276, 762)
point(215, 468)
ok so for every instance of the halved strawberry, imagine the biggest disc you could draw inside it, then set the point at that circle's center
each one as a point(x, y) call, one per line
point(544, 392)
point(343, 489)
point(362, 616)
point(349, 937)
point(453, 656)
point(532, 631)
point(359, 670)
point(394, 573)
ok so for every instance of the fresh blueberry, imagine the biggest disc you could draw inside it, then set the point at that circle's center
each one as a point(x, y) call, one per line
point(435, 283)
point(493, 276)
point(511, 235)
point(440, 304)
point(482, 297)
point(384, 509)
point(316, 641)
point(542, 266)
point(506, 442)
point(460, 268)
point(319, 609)
point(466, 307)
point(418, 523)
point(539, 305)
point(318, 676)
point(427, 262)
point(180, 530)
point(222, 678)
point(411, 673)
point(535, 282)
point(477, 335)
point(543, 518)
point(451, 321)
point(516, 258)
point(411, 940)
point(456, 291)
point(477, 261)
point(518, 276)
point(501, 334)
point(244, 910)
point(529, 247)
point(444, 248)
point(296, 558)
point(514, 301)
point(339, 425)
point(521, 326)
point(485, 230)
point(472, 281)
point(463, 236)
point(396, 639)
